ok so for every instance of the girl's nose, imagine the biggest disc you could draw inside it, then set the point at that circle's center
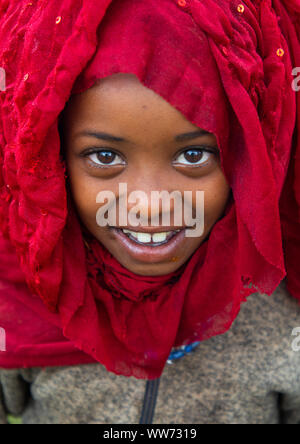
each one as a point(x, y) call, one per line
point(155, 205)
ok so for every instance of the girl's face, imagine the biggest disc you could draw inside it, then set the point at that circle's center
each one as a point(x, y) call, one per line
point(119, 131)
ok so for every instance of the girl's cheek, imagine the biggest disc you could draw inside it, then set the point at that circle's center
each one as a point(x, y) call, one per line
point(215, 200)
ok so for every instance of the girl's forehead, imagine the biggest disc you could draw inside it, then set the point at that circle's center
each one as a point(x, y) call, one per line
point(122, 101)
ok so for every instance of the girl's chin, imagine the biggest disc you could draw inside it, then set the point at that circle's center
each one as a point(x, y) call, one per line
point(148, 270)
point(151, 270)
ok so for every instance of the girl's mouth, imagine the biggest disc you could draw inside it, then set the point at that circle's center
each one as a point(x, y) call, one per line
point(150, 239)
point(150, 247)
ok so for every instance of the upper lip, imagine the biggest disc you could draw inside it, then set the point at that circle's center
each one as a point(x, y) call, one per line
point(150, 229)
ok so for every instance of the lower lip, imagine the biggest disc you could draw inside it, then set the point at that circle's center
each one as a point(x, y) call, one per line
point(146, 253)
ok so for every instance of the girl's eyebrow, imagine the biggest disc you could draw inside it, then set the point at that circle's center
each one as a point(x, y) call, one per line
point(191, 135)
point(111, 138)
point(101, 136)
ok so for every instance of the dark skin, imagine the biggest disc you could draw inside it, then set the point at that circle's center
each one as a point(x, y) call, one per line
point(150, 159)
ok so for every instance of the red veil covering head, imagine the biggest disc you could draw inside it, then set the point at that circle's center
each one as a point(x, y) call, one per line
point(290, 197)
point(226, 66)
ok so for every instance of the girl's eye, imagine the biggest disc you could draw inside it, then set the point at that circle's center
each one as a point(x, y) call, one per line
point(105, 158)
point(194, 156)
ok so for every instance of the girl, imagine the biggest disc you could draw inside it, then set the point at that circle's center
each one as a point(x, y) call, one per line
point(174, 95)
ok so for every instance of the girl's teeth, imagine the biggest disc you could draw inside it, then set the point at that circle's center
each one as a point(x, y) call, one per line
point(159, 237)
point(147, 237)
point(144, 237)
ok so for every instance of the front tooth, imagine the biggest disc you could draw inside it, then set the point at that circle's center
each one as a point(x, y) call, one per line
point(144, 237)
point(159, 237)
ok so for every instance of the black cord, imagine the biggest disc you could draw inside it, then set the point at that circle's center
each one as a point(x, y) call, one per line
point(150, 398)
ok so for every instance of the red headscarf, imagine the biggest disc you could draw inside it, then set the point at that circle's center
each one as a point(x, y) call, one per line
point(227, 66)
point(290, 198)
